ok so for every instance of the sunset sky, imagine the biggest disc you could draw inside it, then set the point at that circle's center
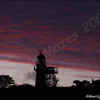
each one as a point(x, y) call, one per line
point(67, 32)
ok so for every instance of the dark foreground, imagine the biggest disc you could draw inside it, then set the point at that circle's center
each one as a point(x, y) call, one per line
point(28, 92)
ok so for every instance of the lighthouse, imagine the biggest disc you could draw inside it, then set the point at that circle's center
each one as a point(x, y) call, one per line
point(45, 76)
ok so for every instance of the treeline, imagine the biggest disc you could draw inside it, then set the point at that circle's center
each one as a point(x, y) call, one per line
point(28, 92)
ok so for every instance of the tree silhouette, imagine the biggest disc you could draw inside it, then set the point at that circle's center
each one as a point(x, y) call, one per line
point(81, 84)
point(6, 81)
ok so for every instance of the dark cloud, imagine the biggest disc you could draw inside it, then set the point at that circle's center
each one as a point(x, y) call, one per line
point(26, 27)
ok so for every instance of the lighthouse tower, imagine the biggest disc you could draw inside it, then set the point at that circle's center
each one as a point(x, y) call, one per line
point(45, 76)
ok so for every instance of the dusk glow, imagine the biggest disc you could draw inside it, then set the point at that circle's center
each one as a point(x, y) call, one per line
point(67, 32)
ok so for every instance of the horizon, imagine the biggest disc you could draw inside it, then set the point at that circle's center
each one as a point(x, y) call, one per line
point(66, 31)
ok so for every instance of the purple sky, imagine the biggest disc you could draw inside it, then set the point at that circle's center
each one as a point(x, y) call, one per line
point(71, 29)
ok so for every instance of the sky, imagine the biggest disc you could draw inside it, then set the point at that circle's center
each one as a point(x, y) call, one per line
point(68, 32)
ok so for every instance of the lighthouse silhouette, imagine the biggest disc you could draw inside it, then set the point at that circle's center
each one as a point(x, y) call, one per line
point(45, 76)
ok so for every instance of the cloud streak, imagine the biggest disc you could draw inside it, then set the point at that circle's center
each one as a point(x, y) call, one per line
point(26, 27)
